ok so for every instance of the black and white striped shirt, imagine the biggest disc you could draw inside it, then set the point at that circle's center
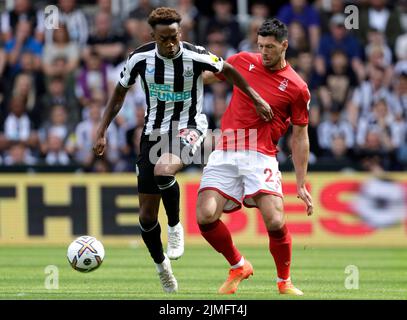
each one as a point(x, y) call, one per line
point(173, 87)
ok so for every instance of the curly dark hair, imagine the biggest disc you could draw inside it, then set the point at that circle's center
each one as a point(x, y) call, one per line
point(275, 28)
point(163, 15)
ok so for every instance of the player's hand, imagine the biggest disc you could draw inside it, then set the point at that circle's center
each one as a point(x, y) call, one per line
point(305, 196)
point(263, 109)
point(99, 146)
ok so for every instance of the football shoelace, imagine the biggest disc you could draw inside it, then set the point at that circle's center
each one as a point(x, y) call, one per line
point(166, 278)
point(174, 239)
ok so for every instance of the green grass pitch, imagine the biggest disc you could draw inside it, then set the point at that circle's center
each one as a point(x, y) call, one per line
point(128, 273)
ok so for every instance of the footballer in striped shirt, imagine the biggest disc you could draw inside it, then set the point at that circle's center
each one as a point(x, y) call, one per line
point(171, 76)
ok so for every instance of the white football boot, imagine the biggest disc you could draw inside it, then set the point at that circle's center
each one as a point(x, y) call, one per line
point(175, 246)
point(167, 279)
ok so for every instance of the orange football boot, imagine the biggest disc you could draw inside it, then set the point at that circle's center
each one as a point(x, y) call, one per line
point(235, 277)
point(287, 287)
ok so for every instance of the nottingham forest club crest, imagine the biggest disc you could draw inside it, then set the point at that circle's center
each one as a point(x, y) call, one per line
point(283, 85)
point(188, 72)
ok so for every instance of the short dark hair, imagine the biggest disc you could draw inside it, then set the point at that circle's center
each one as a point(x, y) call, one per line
point(275, 28)
point(57, 78)
point(163, 15)
point(338, 51)
point(222, 1)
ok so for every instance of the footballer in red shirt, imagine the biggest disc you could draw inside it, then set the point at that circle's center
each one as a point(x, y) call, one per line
point(243, 169)
point(283, 89)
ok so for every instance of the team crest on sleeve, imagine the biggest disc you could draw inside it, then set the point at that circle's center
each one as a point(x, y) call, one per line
point(283, 85)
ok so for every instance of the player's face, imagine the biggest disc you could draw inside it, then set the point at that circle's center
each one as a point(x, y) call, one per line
point(272, 51)
point(167, 38)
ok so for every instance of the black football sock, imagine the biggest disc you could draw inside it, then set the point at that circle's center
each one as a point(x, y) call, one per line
point(169, 188)
point(151, 234)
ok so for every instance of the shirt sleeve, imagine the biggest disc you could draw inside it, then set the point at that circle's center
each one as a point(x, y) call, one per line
point(128, 75)
point(36, 48)
point(231, 60)
point(353, 48)
point(300, 108)
point(9, 46)
point(83, 27)
point(323, 48)
point(313, 17)
point(210, 62)
point(284, 14)
point(40, 21)
point(5, 22)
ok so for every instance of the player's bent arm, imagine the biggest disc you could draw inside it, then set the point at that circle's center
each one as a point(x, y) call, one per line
point(209, 77)
point(300, 156)
point(232, 76)
point(235, 78)
point(113, 107)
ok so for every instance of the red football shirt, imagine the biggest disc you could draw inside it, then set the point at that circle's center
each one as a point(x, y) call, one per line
point(283, 89)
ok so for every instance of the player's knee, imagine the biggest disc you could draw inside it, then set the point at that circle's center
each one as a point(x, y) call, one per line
point(204, 214)
point(147, 220)
point(162, 169)
point(274, 219)
point(276, 223)
point(148, 215)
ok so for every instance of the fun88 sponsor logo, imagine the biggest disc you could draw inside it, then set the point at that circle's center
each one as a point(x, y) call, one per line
point(165, 92)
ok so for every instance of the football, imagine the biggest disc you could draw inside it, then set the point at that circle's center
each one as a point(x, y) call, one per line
point(85, 254)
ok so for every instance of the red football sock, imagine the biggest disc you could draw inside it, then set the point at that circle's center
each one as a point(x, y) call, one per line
point(219, 237)
point(280, 248)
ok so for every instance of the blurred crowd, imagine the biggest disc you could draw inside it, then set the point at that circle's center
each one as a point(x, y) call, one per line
point(55, 83)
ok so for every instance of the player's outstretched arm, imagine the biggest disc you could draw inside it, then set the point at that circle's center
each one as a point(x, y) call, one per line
point(113, 107)
point(262, 107)
point(300, 153)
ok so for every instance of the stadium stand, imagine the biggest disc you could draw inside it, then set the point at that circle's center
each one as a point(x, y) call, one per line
point(54, 84)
